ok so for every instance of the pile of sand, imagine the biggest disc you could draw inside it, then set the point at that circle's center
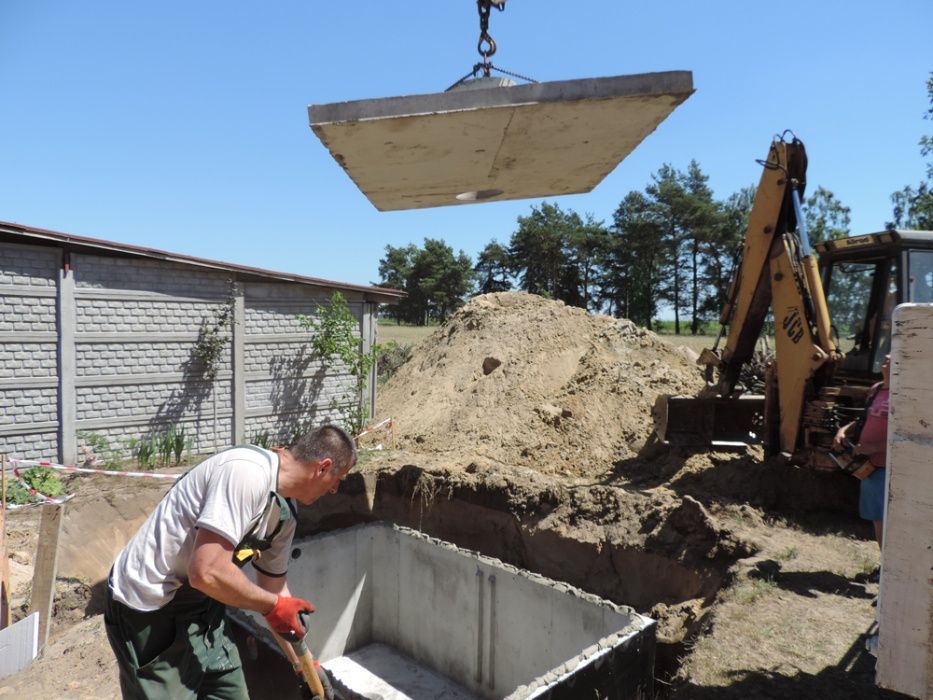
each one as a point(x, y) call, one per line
point(519, 379)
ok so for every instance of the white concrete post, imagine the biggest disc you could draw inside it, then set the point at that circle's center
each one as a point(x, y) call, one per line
point(67, 400)
point(238, 362)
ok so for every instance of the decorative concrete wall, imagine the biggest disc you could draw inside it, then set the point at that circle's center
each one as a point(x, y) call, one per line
point(28, 350)
point(103, 343)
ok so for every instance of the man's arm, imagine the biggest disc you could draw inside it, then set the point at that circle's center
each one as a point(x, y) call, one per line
point(273, 584)
point(278, 585)
point(842, 434)
point(211, 570)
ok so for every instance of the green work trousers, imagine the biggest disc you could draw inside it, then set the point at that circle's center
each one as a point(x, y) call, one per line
point(181, 651)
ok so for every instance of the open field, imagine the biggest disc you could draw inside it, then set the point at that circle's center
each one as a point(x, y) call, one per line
point(390, 332)
point(695, 342)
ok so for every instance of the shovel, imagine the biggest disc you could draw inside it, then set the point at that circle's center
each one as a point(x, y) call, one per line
point(305, 658)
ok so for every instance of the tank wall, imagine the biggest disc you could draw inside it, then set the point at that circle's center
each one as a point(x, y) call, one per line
point(494, 629)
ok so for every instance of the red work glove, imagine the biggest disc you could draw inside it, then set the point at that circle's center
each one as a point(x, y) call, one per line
point(283, 618)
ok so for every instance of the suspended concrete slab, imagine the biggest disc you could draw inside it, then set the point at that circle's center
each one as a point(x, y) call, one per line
point(495, 143)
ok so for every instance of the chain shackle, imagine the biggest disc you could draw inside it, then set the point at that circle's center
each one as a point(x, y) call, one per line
point(486, 46)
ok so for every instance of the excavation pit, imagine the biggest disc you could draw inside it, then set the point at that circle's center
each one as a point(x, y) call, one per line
point(403, 615)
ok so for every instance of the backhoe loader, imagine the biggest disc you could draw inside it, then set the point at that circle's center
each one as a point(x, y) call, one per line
point(831, 320)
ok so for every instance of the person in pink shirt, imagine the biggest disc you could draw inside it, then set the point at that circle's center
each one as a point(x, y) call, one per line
point(872, 441)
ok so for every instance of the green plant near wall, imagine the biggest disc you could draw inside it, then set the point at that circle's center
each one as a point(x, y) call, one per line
point(213, 338)
point(108, 456)
point(162, 449)
point(42, 480)
point(335, 335)
point(18, 495)
point(165, 445)
point(262, 439)
point(180, 443)
point(143, 449)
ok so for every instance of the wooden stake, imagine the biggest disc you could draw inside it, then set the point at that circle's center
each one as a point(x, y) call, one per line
point(4, 560)
point(43, 578)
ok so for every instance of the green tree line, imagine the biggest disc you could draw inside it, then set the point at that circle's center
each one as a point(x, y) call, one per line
point(672, 245)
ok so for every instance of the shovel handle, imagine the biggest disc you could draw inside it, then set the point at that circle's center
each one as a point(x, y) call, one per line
point(309, 672)
point(307, 660)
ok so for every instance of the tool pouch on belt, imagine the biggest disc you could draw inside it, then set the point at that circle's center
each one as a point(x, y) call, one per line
point(260, 537)
point(277, 512)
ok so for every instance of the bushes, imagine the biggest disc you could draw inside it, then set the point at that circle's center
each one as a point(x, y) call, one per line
point(391, 356)
point(336, 338)
point(42, 480)
point(99, 453)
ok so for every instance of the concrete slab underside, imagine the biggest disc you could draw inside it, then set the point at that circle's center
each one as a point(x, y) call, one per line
point(537, 140)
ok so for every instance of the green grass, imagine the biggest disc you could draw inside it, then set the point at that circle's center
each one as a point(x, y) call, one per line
point(696, 343)
point(758, 587)
point(667, 328)
point(388, 331)
point(706, 338)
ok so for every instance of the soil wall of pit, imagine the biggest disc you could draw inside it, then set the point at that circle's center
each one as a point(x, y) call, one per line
point(654, 554)
point(633, 551)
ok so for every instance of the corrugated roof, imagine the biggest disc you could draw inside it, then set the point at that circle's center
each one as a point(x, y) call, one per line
point(12, 232)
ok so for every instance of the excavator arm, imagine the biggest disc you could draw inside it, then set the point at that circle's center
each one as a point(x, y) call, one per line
point(777, 272)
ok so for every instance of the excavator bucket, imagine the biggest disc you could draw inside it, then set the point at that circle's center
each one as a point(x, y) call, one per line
point(683, 421)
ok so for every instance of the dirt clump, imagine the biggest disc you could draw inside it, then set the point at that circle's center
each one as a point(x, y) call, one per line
point(518, 379)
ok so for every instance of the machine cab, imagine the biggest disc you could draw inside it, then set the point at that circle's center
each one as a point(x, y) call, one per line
point(864, 278)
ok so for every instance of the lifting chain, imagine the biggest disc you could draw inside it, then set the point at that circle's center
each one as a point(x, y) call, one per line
point(486, 45)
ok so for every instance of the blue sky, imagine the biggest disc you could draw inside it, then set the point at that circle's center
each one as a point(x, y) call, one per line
point(183, 125)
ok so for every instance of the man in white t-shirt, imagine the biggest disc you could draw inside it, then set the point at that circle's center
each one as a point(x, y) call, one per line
point(169, 586)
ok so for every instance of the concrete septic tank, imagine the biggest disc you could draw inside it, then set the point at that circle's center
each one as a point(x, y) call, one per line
point(403, 615)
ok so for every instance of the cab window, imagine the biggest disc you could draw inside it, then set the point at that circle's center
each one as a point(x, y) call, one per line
point(920, 276)
point(860, 296)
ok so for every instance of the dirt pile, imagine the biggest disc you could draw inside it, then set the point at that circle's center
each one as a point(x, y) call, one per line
point(518, 379)
point(78, 664)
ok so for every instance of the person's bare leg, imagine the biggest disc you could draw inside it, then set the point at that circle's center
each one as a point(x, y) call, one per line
point(879, 530)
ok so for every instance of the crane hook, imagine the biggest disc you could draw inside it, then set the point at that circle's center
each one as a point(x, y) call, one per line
point(486, 45)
